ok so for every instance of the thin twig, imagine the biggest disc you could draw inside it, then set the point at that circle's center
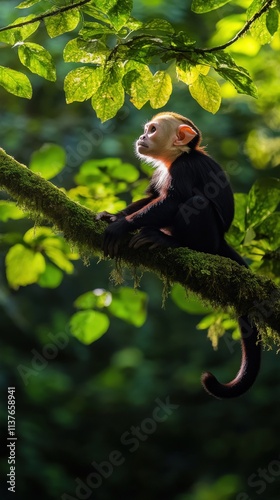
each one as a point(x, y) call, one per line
point(43, 16)
point(245, 28)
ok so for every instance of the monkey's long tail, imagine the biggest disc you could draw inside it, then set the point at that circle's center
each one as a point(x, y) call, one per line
point(251, 352)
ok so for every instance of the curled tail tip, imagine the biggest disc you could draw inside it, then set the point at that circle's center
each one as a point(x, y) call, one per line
point(210, 384)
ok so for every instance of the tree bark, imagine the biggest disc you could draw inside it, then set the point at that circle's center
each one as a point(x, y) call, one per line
point(218, 280)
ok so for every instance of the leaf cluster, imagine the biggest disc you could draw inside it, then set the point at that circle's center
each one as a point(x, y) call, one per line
point(115, 54)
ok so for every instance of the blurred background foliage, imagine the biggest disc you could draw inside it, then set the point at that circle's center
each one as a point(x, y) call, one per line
point(76, 400)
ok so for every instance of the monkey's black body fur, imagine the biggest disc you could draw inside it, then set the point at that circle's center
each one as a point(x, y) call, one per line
point(190, 205)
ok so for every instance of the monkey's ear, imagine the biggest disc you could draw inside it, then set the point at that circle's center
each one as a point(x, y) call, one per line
point(184, 134)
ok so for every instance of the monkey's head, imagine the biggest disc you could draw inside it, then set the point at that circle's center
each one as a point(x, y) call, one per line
point(165, 137)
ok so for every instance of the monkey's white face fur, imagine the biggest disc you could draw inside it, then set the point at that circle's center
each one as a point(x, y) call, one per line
point(164, 139)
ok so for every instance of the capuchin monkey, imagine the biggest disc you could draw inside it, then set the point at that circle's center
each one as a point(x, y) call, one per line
point(189, 203)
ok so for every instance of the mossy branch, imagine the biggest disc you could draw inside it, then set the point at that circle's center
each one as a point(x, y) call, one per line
point(218, 280)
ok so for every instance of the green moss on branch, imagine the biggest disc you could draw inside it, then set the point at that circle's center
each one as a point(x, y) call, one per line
point(218, 280)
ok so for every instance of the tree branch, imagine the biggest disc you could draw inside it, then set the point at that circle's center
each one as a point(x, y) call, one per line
point(43, 16)
point(242, 32)
point(218, 280)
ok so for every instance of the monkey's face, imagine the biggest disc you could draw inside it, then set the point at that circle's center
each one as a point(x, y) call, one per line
point(163, 139)
point(157, 139)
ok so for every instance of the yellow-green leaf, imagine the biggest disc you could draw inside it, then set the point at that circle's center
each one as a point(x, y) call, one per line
point(85, 51)
point(23, 266)
point(89, 326)
point(9, 210)
point(81, 83)
point(138, 82)
point(129, 305)
point(51, 277)
point(15, 82)
point(161, 89)
point(49, 160)
point(62, 22)
point(206, 91)
point(38, 60)
point(108, 99)
point(14, 35)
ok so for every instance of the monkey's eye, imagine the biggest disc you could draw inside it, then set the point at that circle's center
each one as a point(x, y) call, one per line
point(152, 129)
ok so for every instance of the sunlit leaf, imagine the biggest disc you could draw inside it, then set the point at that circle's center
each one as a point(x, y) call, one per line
point(89, 326)
point(138, 83)
point(96, 298)
point(9, 210)
point(270, 230)
point(15, 82)
point(201, 6)
point(263, 200)
point(14, 35)
point(188, 302)
point(62, 22)
point(27, 3)
point(51, 277)
point(206, 91)
point(118, 11)
point(109, 98)
point(129, 305)
point(38, 60)
point(91, 51)
point(23, 266)
point(161, 89)
point(81, 83)
point(49, 160)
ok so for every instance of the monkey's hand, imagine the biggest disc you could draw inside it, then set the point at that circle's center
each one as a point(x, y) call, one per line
point(106, 216)
point(113, 235)
point(152, 237)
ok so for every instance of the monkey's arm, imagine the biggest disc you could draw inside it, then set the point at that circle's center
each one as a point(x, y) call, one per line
point(130, 209)
point(157, 213)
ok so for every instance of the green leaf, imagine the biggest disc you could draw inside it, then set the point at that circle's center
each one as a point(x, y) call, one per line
point(272, 21)
point(23, 266)
point(129, 305)
point(81, 83)
point(62, 22)
point(188, 73)
point(92, 51)
point(38, 60)
point(93, 29)
point(241, 81)
point(201, 6)
point(96, 298)
point(51, 277)
point(188, 302)
point(263, 199)
point(15, 82)
point(58, 257)
point(9, 210)
point(158, 25)
point(161, 89)
point(89, 326)
point(138, 83)
point(270, 230)
point(206, 91)
point(265, 26)
point(118, 11)
point(27, 3)
point(109, 98)
point(49, 160)
point(14, 35)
